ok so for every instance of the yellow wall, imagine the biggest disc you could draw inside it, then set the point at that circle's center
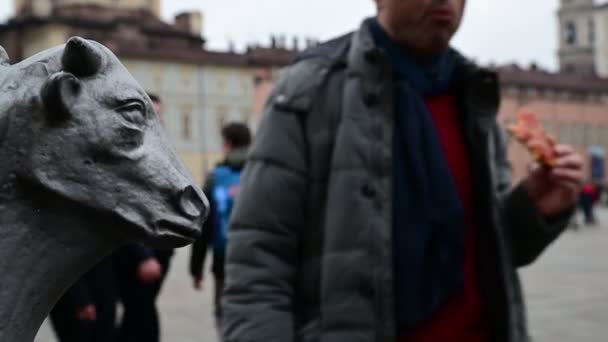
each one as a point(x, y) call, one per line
point(576, 123)
point(44, 7)
point(42, 38)
point(199, 163)
point(601, 36)
point(194, 162)
point(18, 5)
point(120, 3)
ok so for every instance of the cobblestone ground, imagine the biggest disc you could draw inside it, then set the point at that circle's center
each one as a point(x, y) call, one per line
point(567, 294)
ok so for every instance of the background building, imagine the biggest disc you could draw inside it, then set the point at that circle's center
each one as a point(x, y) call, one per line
point(201, 89)
point(601, 37)
point(572, 107)
point(572, 103)
point(583, 43)
point(42, 8)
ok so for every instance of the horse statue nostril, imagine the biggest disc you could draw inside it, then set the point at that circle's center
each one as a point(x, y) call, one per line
point(191, 203)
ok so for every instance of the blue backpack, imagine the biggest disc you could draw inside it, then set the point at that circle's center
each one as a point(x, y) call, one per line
point(225, 188)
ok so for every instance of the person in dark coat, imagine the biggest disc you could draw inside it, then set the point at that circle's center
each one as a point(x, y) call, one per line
point(377, 204)
point(163, 256)
point(138, 273)
point(236, 140)
point(86, 312)
point(141, 272)
point(587, 201)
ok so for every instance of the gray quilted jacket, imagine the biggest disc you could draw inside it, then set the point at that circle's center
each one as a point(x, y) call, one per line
point(310, 251)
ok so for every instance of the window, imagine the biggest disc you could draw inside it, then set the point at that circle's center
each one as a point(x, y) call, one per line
point(246, 113)
point(186, 73)
point(586, 135)
point(245, 84)
point(570, 33)
point(186, 122)
point(186, 126)
point(599, 137)
point(583, 134)
point(575, 134)
point(548, 125)
point(222, 115)
point(157, 74)
point(564, 132)
point(221, 79)
point(603, 137)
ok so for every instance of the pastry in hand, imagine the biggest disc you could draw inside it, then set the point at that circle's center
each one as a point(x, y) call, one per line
point(529, 132)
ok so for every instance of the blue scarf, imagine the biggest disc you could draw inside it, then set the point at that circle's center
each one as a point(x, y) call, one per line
point(428, 219)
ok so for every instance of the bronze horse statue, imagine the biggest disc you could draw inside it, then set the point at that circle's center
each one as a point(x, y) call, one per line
point(84, 167)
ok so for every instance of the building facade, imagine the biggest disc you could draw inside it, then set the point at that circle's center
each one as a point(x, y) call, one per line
point(601, 36)
point(577, 36)
point(44, 8)
point(583, 37)
point(572, 107)
point(201, 90)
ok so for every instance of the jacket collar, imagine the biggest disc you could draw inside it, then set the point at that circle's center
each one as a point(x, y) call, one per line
point(477, 88)
point(428, 77)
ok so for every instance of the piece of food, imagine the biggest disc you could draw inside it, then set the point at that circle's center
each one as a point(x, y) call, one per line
point(529, 132)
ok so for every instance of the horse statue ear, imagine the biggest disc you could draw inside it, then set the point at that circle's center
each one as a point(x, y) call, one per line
point(81, 58)
point(4, 60)
point(59, 94)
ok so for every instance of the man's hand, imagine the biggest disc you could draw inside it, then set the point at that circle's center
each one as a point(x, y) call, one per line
point(197, 283)
point(555, 190)
point(149, 271)
point(87, 313)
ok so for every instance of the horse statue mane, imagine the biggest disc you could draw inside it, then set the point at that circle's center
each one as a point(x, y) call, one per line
point(85, 168)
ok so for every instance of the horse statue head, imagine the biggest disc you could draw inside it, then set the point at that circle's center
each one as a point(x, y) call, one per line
point(85, 167)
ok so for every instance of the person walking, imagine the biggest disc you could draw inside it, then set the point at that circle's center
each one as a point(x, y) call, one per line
point(587, 201)
point(221, 188)
point(376, 204)
point(86, 312)
point(141, 272)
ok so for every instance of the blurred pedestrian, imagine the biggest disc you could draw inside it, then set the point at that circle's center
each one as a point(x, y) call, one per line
point(376, 204)
point(221, 188)
point(141, 272)
point(163, 256)
point(138, 274)
point(86, 312)
point(587, 200)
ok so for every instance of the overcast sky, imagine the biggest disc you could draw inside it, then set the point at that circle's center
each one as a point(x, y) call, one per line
point(500, 31)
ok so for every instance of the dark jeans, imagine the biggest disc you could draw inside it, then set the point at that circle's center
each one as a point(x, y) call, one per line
point(67, 327)
point(140, 316)
point(586, 203)
point(164, 259)
point(99, 290)
point(219, 289)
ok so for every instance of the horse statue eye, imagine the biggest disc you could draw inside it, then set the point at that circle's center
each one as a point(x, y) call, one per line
point(133, 111)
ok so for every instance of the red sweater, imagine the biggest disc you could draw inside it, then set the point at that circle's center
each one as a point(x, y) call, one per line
point(462, 319)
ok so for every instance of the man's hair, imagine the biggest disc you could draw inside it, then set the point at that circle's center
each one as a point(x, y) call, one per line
point(237, 134)
point(154, 97)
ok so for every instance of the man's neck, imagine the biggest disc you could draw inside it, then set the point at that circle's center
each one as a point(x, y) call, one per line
point(406, 44)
